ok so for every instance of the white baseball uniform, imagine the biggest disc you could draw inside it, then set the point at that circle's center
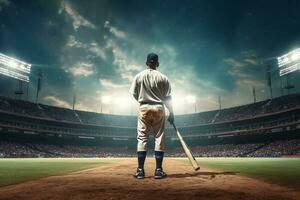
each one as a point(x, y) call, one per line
point(152, 88)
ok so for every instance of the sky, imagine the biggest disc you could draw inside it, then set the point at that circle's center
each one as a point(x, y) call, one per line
point(93, 49)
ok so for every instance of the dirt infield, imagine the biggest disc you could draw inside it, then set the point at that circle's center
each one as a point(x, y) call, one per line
point(115, 181)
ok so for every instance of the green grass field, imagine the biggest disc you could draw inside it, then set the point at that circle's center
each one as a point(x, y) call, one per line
point(282, 171)
point(13, 170)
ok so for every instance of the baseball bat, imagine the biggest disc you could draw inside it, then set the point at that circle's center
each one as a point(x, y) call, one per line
point(187, 151)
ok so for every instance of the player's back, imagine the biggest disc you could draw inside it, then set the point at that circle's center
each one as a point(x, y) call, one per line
point(152, 86)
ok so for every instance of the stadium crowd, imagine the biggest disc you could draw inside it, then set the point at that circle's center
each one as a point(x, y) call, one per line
point(14, 150)
point(278, 148)
point(278, 104)
point(273, 149)
point(225, 150)
point(12, 118)
point(260, 108)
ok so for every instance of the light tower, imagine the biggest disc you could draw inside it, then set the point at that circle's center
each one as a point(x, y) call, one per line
point(269, 80)
point(220, 102)
point(74, 101)
point(16, 69)
point(287, 64)
point(39, 85)
point(254, 94)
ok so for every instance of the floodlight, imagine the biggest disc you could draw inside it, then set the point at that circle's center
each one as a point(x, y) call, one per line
point(106, 99)
point(13, 74)
point(289, 69)
point(122, 101)
point(190, 99)
point(14, 68)
point(13, 64)
point(295, 56)
point(289, 62)
point(177, 100)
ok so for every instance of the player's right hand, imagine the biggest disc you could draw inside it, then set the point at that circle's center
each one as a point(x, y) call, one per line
point(171, 118)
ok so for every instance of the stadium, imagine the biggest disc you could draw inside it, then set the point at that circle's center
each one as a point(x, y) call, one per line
point(268, 128)
point(70, 127)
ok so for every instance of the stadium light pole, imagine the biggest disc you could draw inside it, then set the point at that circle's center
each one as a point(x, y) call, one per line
point(254, 94)
point(288, 85)
point(74, 101)
point(27, 91)
point(269, 80)
point(281, 86)
point(19, 92)
point(39, 85)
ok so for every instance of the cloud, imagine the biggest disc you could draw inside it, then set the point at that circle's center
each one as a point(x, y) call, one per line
point(81, 69)
point(126, 65)
point(189, 82)
point(72, 42)
point(239, 68)
point(125, 56)
point(77, 19)
point(182, 74)
point(110, 84)
point(92, 47)
point(97, 50)
point(243, 67)
point(251, 61)
point(53, 100)
point(239, 71)
point(250, 83)
point(243, 92)
point(165, 49)
point(245, 71)
point(234, 62)
point(116, 32)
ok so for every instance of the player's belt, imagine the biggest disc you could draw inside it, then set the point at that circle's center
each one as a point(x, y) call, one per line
point(151, 103)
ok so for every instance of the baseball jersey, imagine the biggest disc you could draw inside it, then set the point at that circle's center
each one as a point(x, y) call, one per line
point(150, 86)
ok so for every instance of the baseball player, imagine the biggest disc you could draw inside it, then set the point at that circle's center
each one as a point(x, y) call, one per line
point(152, 90)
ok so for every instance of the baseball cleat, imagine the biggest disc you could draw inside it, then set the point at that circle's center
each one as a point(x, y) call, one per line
point(159, 174)
point(140, 174)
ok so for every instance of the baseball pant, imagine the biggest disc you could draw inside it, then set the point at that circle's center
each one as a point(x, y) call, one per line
point(151, 117)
